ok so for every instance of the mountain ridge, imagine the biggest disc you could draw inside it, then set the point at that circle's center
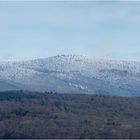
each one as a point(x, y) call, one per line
point(73, 74)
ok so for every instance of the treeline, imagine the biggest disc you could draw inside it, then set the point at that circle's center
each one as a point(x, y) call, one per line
point(25, 114)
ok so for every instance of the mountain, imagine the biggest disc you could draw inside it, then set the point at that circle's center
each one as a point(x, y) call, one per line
point(72, 74)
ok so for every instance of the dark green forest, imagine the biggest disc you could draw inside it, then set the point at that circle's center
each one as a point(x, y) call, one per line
point(25, 114)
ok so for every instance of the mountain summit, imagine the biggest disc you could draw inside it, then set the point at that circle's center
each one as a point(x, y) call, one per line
point(72, 74)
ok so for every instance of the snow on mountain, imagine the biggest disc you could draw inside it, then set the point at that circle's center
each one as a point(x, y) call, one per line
point(72, 74)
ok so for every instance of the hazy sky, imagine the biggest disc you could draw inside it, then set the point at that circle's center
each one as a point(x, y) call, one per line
point(40, 29)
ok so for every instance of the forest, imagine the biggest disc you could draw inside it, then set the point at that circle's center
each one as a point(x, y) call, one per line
point(25, 114)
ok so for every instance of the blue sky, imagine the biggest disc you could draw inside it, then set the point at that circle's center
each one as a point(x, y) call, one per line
point(41, 29)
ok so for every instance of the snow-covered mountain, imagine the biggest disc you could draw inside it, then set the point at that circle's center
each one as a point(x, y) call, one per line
point(72, 74)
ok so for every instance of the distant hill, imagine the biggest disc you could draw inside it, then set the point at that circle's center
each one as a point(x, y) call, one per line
point(47, 115)
point(72, 74)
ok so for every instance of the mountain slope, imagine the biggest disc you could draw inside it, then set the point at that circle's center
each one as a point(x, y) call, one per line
point(73, 74)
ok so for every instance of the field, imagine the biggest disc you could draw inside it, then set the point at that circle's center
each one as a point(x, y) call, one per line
point(26, 114)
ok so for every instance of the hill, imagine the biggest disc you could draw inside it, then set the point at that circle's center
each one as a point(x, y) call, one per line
point(26, 114)
point(72, 74)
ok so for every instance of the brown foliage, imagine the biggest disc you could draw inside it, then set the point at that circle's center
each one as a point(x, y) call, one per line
point(47, 115)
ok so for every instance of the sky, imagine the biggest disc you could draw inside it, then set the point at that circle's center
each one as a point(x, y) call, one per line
point(34, 29)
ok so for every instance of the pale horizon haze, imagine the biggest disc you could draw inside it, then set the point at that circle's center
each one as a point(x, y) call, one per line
point(30, 30)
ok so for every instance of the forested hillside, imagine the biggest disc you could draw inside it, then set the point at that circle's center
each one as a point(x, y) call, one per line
point(72, 74)
point(48, 115)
